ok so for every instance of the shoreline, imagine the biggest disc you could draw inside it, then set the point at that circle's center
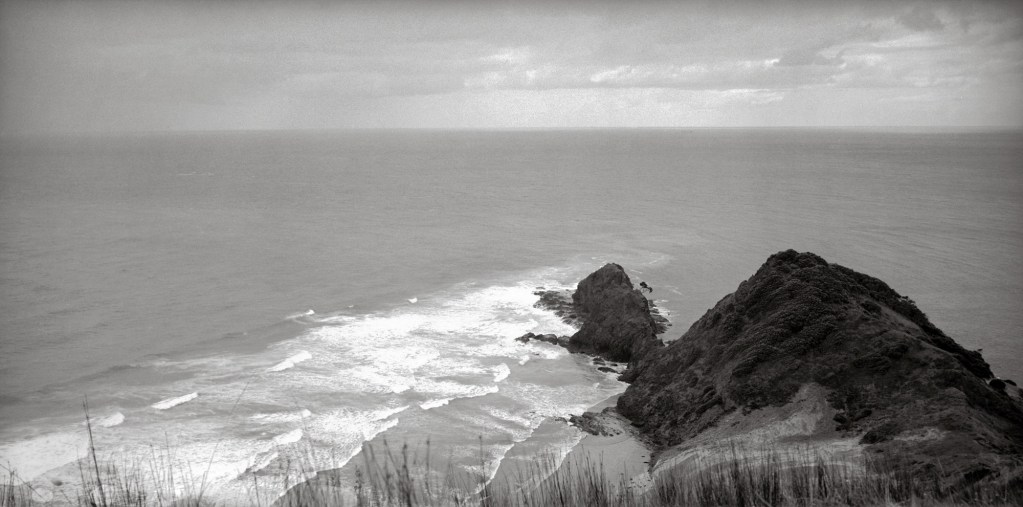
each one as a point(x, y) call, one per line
point(620, 457)
point(623, 457)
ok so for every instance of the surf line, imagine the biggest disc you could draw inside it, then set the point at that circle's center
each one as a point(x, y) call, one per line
point(174, 401)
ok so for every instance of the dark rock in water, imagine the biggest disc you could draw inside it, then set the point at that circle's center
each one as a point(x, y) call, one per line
point(607, 369)
point(559, 302)
point(799, 321)
point(525, 338)
point(616, 320)
point(549, 338)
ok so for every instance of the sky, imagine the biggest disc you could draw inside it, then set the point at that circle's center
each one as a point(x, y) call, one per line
point(116, 66)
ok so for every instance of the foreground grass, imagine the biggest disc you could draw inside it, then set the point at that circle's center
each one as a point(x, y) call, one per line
point(406, 477)
point(403, 477)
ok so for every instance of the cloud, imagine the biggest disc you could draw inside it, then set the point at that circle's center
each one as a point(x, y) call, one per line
point(109, 65)
point(808, 56)
point(721, 75)
point(921, 19)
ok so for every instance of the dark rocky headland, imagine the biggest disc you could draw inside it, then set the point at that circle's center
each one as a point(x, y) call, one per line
point(803, 355)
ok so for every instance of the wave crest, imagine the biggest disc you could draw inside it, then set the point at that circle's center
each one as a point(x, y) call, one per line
point(290, 362)
point(501, 372)
point(173, 402)
point(427, 405)
point(111, 420)
point(289, 437)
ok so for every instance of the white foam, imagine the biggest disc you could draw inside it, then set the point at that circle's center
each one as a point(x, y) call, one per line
point(370, 379)
point(358, 422)
point(261, 461)
point(435, 403)
point(545, 350)
point(413, 300)
point(110, 420)
point(34, 456)
point(487, 472)
point(515, 419)
point(219, 363)
point(380, 427)
point(330, 318)
point(291, 361)
point(501, 372)
point(348, 429)
point(221, 460)
point(296, 316)
point(380, 415)
point(559, 401)
point(449, 389)
point(282, 417)
point(399, 357)
point(428, 354)
point(173, 402)
point(288, 438)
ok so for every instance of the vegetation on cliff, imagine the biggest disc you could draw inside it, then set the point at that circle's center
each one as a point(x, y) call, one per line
point(895, 380)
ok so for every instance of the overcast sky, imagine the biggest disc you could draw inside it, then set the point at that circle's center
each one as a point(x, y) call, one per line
point(189, 65)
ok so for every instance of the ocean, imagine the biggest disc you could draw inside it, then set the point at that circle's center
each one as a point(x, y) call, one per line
point(254, 306)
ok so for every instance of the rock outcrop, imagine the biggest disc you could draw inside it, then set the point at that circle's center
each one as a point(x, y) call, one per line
point(808, 348)
point(617, 324)
point(606, 423)
point(553, 339)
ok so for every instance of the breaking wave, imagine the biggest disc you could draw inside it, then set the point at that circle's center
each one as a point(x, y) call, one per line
point(501, 372)
point(111, 420)
point(435, 403)
point(288, 438)
point(290, 362)
point(173, 402)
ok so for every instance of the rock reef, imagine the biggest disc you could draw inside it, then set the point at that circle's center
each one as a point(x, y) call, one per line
point(810, 351)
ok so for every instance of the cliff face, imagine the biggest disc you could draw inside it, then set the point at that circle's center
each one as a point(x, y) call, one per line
point(617, 321)
point(893, 380)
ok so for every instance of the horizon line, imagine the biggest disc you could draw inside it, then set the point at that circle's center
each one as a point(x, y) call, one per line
point(878, 128)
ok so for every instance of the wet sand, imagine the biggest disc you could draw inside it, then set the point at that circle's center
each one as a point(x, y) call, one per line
point(623, 458)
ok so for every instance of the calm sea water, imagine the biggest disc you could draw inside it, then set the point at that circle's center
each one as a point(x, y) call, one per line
point(253, 300)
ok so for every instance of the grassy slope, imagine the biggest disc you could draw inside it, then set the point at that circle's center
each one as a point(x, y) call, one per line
point(396, 478)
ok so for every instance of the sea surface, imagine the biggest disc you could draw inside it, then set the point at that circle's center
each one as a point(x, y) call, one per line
point(253, 307)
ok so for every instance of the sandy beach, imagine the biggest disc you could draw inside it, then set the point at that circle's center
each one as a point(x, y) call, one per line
point(618, 454)
point(623, 456)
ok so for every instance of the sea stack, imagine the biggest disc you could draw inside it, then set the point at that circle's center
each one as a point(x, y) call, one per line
point(810, 352)
point(617, 323)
